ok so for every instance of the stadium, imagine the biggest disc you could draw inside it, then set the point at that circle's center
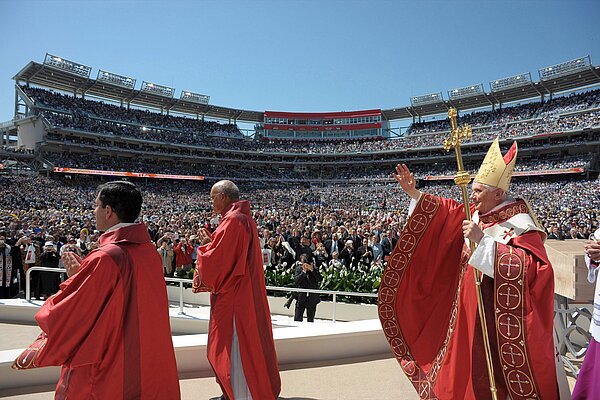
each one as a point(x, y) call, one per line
point(318, 174)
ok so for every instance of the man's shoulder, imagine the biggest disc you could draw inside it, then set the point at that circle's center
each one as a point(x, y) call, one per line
point(118, 254)
point(97, 262)
point(102, 253)
point(109, 251)
point(237, 219)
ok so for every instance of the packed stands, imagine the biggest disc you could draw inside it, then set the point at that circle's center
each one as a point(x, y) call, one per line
point(576, 112)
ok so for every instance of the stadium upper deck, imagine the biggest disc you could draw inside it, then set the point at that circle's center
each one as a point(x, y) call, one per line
point(59, 74)
point(566, 126)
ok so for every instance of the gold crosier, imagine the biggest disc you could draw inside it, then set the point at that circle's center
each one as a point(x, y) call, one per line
point(462, 179)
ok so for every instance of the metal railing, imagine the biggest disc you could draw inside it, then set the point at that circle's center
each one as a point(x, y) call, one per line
point(331, 292)
point(28, 280)
point(182, 281)
point(334, 293)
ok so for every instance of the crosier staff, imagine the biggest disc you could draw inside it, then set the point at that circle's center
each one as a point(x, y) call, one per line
point(462, 179)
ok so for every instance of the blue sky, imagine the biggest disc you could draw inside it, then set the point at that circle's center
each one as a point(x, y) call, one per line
point(299, 55)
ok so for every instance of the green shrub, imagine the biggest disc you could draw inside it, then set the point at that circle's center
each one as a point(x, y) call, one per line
point(363, 280)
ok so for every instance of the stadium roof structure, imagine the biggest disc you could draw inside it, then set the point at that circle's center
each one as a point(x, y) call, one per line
point(571, 75)
point(58, 79)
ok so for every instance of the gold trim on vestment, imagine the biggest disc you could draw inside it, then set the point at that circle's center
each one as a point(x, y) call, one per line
point(510, 288)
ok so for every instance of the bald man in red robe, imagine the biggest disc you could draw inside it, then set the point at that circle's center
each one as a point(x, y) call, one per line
point(108, 326)
point(240, 349)
point(427, 299)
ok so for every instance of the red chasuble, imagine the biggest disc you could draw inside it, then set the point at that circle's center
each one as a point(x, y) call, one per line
point(231, 267)
point(428, 308)
point(108, 326)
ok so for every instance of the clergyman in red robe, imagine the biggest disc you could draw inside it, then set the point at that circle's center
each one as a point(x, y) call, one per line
point(240, 347)
point(427, 299)
point(108, 326)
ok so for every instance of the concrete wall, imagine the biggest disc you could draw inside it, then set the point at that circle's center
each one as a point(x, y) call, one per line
point(30, 132)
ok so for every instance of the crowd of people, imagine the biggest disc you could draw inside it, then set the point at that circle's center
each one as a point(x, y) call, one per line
point(503, 116)
point(574, 112)
point(12, 149)
point(246, 171)
point(88, 110)
point(343, 226)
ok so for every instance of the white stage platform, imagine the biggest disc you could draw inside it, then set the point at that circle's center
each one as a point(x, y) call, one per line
point(356, 334)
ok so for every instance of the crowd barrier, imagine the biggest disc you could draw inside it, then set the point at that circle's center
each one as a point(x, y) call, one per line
point(183, 281)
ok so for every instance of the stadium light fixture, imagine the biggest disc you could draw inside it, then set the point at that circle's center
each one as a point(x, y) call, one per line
point(115, 79)
point(425, 99)
point(194, 97)
point(467, 91)
point(565, 68)
point(160, 90)
point(68, 66)
point(511, 82)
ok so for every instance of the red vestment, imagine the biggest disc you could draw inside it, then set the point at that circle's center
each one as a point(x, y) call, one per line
point(428, 308)
point(183, 254)
point(109, 326)
point(231, 267)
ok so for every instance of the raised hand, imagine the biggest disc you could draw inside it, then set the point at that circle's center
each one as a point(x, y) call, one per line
point(204, 236)
point(406, 180)
point(72, 261)
point(592, 249)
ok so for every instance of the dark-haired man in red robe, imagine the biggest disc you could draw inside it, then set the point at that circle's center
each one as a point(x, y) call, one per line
point(240, 349)
point(427, 298)
point(108, 326)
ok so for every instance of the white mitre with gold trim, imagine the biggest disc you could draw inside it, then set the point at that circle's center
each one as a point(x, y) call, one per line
point(496, 170)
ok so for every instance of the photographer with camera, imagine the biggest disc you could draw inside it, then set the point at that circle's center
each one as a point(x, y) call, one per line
point(165, 251)
point(71, 246)
point(320, 255)
point(183, 255)
point(307, 276)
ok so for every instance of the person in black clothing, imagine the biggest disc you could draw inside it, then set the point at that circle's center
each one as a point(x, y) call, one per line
point(294, 240)
point(357, 238)
point(555, 233)
point(365, 253)
point(307, 277)
point(305, 248)
point(48, 282)
point(288, 255)
point(335, 244)
point(347, 254)
point(386, 244)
